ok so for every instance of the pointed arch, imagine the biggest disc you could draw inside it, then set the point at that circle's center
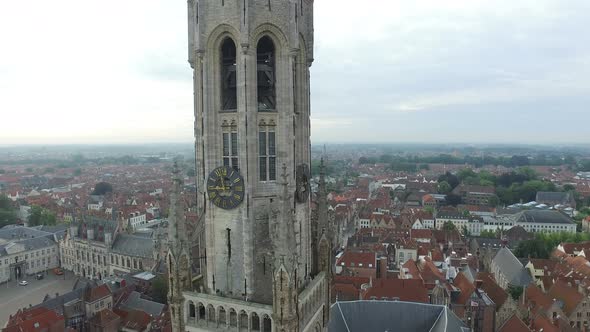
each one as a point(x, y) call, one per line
point(266, 74)
point(228, 63)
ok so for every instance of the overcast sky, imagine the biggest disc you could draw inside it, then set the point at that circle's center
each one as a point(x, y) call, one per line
point(115, 71)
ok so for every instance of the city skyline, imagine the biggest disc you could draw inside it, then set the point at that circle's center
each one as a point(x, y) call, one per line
point(417, 72)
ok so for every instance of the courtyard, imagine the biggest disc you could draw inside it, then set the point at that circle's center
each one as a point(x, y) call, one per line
point(13, 296)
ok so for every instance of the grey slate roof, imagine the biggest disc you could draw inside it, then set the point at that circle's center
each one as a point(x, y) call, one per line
point(512, 268)
point(132, 245)
point(134, 301)
point(56, 303)
point(28, 243)
point(544, 217)
point(16, 233)
point(392, 316)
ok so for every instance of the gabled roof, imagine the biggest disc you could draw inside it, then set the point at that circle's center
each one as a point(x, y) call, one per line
point(134, 301)
point(132, 245)
point(96, 293)
point(409, 290)
point(359, 259)
point(514, 324)
point(543, 264)
point(511, 267)
point(466, 287)
point(493, 290)
point(567, 294)
point(104, 318)
point(544, 217)
point(536, 298)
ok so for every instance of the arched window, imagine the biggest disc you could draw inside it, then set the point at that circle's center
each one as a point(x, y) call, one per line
point(265, 57)
point(229, 101)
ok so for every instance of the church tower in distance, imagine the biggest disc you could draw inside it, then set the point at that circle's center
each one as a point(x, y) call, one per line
point(257, 268)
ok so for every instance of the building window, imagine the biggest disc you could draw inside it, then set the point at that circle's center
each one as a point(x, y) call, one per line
point(230, 145)
point(267, 152)
point(229, 100)
point(265, 60)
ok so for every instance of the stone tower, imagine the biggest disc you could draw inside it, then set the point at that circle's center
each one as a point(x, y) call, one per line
point(251, 62)
point(179, 261)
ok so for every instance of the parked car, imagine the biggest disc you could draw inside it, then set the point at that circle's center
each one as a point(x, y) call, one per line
point(58, 271)
point(39, 276)
point(23, 283)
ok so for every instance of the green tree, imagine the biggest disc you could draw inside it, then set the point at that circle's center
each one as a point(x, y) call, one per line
point(160, 290)
point(449, 226)
point(102, 188)
point(568, 187)
point(488, 234)
point(77, 172)
point(466, 173)
point(7, 212)
point(40, 216)
point(444, 187)
point(465, 231)
point(2, 171)
point(451, 179)
point(515, 292)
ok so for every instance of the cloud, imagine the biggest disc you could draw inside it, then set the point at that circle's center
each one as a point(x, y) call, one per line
point(97, 71)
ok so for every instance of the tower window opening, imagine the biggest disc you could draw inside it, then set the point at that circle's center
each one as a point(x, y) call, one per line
point(229, 95)
point(230, 145)
point(265, 60)
point(267, 152)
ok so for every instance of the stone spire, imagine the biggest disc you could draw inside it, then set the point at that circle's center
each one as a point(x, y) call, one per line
point(179, 262)
point(176, 220)
point(322, 202)
point(285, 262)
point(283, 222)
point(324, 238)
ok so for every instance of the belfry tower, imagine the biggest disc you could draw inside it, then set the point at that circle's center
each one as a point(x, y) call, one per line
point(251, 61)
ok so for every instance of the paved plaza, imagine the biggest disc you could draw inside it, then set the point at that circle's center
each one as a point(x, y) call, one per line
point(13, 296)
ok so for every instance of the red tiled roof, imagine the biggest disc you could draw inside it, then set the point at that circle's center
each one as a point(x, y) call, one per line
point(359, 259)
point(514, 324)
point(137, 320)
point(542, 323)
point(410, 290)
point(420, 233)
point(466, 287)
point(536, 298)
point(37, 319)
point(97, 293)
point(543, 264)
point(569, 248)
point(567, 294)
point(104, 317)
point(493, 290)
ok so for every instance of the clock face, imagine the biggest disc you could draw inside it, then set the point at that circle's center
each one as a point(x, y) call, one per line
point(303, 188)
point(225, 186)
